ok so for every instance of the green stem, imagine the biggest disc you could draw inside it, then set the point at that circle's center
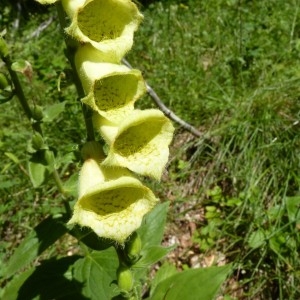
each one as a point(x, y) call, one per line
point(35, 125)
point(72, 45)
point(20, 94)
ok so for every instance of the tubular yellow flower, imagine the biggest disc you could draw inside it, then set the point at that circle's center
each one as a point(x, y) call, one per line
point(114, 209)
point(108, 25)
point(140, 143)
point(46, 1)
point(92, 173)
point(111, 89)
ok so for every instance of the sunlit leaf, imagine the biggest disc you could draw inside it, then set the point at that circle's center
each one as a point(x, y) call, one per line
point(152, 229)
point(151, 255)
point(97, 272)
point(53, 111)
point(192, 284)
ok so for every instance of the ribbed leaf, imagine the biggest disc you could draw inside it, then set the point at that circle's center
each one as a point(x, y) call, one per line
point(97, 272)
point(39, 239)
point(192, 284)
point(53, 111)
point(152, 229)
point(152, 255)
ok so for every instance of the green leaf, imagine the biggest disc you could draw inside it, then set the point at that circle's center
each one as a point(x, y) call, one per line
point(293, 208)
point(53, 111)
point(192, 284)
point(37, 173)
point(152, 229)
point(37, 168)
point(12, 157)
point(11, 291)
point(151, 255)
point(41, 237)
point(165, 271)
point(97, 272)
point(51, 280)
point(71, 185)
point(256, 239)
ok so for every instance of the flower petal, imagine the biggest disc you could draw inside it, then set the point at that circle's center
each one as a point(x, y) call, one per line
point(141, 143)
point(114, 209)
point(111, 89)
point(109, 25)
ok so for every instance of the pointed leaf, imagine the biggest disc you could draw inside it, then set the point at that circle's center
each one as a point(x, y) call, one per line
point(165, 271)
point(152, 255)
point(42, 236)
point(97, 272)
point(152, 229)
point(257, 239)
point(53, 111)
point(192, 284)
point(293, 208)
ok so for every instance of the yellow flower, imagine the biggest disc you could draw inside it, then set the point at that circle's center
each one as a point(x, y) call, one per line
point(111, 89)
point(46, 1)
point(112, 202)
point(108, 25)
point(114, 209)
point(139, 143)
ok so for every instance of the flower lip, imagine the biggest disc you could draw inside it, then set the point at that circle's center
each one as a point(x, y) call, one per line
point(141, 142)
point(114, 209)
point(108, 25)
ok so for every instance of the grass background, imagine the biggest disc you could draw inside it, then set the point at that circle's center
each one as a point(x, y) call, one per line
point(231, 69)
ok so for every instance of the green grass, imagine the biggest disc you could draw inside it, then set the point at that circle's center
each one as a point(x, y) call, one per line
point(231, 69)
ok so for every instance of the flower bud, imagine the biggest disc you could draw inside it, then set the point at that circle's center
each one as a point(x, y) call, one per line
point(133, 247)
point(37, 141)
point(125, 279)
point(49, 158)
point(3, 81)
point(37, 113)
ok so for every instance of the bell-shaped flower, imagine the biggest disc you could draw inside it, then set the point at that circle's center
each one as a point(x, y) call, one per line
point(46, 1)
point(108, 25)
point(114, 209)
point(92, 173)
point(139, 143)
point(111, 89)
point(112, 202)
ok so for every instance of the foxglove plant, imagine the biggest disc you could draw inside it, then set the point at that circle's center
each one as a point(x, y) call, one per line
point(112, 201)
point(138, 140)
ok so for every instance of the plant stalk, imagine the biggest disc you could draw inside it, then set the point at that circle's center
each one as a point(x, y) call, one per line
point(70, 52)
